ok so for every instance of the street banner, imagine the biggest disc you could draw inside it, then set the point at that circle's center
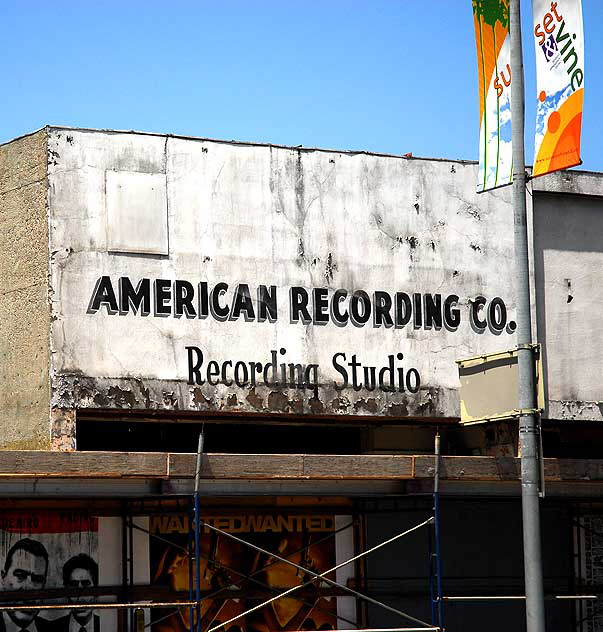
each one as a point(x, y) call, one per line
point(492, 39)
point(559, 43)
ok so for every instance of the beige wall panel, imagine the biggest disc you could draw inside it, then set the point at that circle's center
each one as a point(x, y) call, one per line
point(24, 309)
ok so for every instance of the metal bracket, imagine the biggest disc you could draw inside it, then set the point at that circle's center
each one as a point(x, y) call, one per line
point(531, 346)
point(519, 412)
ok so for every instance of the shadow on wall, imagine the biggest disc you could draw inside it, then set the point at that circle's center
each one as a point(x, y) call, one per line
point(568, 259)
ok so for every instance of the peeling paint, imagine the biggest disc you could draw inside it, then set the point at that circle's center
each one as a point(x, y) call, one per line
point(170, 400)
point(62, 430)
point(255, 400)
point(121, 398)
point(575, 410)
point(135, 394)
point(278, 402)
point(316, 406)
point(398, 409)
point(232, 401)
point(368, 405)
point(340, 405)
point(101, 401)
point(198, 398)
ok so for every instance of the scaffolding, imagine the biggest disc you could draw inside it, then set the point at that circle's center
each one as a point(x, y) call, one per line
point(132, 601)
point(197, 524)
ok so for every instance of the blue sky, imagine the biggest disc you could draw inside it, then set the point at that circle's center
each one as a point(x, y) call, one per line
point(392, 76)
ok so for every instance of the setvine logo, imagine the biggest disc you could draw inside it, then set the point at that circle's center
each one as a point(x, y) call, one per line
point(556, 44)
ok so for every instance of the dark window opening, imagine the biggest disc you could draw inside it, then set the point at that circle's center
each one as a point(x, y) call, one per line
point(125, 436)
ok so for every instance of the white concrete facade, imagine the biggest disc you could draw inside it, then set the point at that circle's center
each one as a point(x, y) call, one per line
point(206, 276)
point(281, 218)
point(320, 221)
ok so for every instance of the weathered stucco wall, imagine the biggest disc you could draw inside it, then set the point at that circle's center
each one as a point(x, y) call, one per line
point(239, 214)
point(24, 306)
point(568, 262)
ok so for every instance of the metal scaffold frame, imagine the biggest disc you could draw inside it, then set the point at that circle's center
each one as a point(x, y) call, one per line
point(195, 625)
point(131, 600)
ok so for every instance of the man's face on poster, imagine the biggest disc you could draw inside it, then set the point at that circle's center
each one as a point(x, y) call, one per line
point(81, 578)
point(26, 572)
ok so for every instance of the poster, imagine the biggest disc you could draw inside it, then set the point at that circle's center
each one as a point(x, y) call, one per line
point(588, 560)
point(235, 577)
point(492, 40)
point(559, 44)
point(49, 549)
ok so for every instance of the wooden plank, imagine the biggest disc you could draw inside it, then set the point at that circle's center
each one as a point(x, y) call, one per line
point(477, 468)
point(153, 465)
point(573, 469)
point(368, 466)
point(28, 463)
point(485, 468)
point(237, 466)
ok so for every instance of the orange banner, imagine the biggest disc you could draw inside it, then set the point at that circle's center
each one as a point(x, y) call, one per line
point(491, 21)
point(559, 43)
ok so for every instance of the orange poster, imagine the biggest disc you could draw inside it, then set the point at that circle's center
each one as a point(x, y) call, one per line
point(235, 577)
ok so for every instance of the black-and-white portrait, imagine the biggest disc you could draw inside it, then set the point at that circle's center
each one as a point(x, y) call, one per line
point(41, 550)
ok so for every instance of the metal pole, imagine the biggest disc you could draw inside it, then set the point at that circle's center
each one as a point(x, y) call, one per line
point(139, 618)
point(436, 514)
point(191, 557)
point(385, 630)
point(514, 597)
point(528, 431)
point(197, 528)
point(431, 593)
point(131, 569)
point(123, 617)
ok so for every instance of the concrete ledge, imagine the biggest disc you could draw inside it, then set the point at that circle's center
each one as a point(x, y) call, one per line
point(574, 182)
